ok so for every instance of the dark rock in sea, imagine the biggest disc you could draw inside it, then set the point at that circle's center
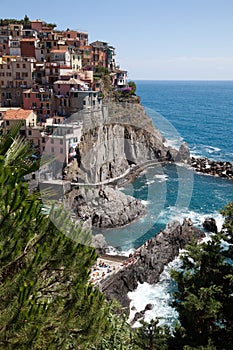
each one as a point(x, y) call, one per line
point(149, 261)
point(183, 155)
point(148, 307)
point(140, 315)
point(211, 167)
point(210, 225)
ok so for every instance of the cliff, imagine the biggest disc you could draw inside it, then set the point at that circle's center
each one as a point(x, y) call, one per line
point(114, 139)
point(119, 135)
point(149, 261)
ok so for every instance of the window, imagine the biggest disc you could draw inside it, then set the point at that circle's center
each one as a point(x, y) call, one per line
point(29, 132)
point(17, 65)
point(61, 142)
point(27, 95)
point(61, 150)
point(84, 102)
point(52, 141)
point(7, 122)
point(24, 65)
point(52, 149)
point(43, 139)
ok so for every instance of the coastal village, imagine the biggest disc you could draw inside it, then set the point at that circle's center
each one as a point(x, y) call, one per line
point(94, 162)
point(46, 75)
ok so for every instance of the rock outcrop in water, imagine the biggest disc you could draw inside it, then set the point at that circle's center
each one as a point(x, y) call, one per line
point(105, 207)
point(179, 156)
point(210, 225)
point(150, 261)
point(211, 167)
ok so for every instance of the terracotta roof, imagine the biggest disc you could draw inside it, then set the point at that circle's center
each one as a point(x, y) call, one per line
point(17, 114)
point(70, 81)
point(58, 51)
point(29, 39)
point(85, 47)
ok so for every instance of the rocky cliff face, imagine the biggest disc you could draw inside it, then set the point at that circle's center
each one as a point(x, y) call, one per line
point(150, 261)
point(116, 137)
point(113, 139)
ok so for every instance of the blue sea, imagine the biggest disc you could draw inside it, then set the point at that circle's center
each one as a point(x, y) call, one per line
point(201, 114)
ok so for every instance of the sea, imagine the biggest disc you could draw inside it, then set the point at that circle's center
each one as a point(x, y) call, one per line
point(201, 114)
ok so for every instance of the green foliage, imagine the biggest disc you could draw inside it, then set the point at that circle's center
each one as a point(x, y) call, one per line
point(204, 298)
point(25, 21)
point(132, 85)
point(100, 71)
point(151, 336)
point(46, 300)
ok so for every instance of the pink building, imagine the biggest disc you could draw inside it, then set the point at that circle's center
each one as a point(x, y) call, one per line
point(40, 100)
point(63, 87)
point(61, 141)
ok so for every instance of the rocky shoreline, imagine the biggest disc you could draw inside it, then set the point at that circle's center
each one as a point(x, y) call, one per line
point(149, 261)
point(105, 207)
point(212, 167)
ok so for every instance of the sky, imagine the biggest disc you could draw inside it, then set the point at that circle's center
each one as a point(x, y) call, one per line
point(154, 39)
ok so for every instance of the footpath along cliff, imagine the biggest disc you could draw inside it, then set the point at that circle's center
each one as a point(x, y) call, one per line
point(115, 139)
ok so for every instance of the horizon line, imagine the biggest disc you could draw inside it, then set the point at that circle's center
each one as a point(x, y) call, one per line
point(144, 79)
